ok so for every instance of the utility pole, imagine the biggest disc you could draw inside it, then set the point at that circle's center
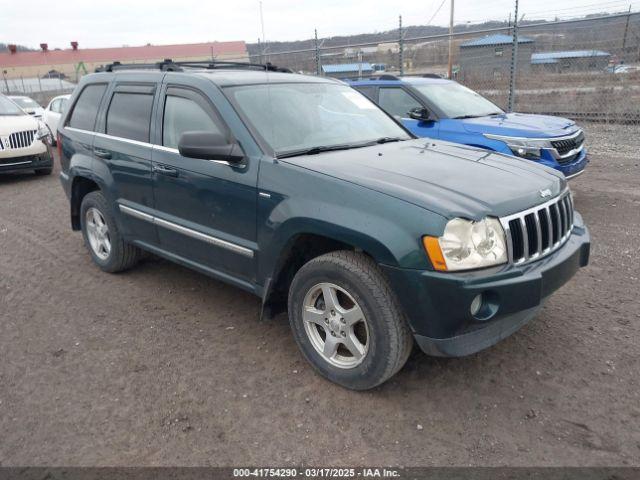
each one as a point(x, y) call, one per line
point(317, 47)
point(514, 61)
point(401, 45)
point(626, 30)
point(450, 69)
point(262, 53)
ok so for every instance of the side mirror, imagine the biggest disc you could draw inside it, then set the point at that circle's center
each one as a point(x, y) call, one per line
point(209, 146)
point(420, 113)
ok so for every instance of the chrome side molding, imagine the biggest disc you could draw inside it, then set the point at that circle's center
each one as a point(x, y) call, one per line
point(189, 232)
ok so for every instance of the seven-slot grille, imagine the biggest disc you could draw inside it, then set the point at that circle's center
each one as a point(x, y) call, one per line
point(539, 231)
point(21, 139)
point(566, 145)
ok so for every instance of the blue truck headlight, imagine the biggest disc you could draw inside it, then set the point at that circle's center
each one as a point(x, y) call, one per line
point(467, 245)
point(523, 147)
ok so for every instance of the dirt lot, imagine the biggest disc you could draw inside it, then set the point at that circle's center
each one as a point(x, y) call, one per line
point(163, 366)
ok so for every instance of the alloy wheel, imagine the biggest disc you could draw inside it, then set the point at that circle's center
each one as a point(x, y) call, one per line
point(336, 326)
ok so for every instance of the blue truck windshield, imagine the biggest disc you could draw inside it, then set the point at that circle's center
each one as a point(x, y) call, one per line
point(456, 101)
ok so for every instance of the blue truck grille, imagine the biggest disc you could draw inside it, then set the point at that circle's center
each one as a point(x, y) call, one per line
point(564, 146)
point(538, 231)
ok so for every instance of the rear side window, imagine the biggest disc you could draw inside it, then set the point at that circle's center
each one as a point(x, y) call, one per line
point(183, 114)
point(86, 108)
point(129, 116)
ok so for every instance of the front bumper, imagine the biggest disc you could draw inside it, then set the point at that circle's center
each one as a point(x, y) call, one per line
point(438, 304)
point(570, 169)
point(28, 159)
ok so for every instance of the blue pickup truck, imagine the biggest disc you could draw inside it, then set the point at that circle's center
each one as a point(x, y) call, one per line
point(446, 110)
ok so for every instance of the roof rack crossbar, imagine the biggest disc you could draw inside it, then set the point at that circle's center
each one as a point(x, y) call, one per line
point(168, 65)
point(384, 76)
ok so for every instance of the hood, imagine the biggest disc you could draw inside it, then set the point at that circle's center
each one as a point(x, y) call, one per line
point(36, 111)
point(521, 125)
point(446, 178)
point(17, 123)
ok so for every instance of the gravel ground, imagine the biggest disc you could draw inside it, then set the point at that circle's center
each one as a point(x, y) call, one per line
point(163, 366)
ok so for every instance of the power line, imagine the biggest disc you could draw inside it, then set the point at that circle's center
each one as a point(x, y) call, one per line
point(436, 12)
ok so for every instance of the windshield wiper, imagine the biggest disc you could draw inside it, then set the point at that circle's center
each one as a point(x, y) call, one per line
point(462, 117)
point(330, 148)
point(389, 139)
point(315, 150)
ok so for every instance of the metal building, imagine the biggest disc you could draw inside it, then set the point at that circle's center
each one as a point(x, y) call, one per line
point(490, 56)
point(570, 61)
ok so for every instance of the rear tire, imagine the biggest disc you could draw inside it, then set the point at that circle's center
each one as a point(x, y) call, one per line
point(102, 238)
point(362, 317)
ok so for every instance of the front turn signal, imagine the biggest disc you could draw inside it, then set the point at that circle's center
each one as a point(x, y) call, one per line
point(432, 246)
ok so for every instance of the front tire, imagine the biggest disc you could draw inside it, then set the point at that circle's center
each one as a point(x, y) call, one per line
point(102, 238)
point(347, 321)
point(43, 171)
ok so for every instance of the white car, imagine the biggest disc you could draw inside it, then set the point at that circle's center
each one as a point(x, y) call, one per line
point(23, 141)
point(28, 104)
point(53, 112)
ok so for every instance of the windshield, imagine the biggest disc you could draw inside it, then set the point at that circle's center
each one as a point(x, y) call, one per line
point(7, 107)
point(456, 101)
point(25, 102)
point(293, 117)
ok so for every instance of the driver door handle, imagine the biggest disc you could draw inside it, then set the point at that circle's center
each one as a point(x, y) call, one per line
point(98, 152)
point(164, 170)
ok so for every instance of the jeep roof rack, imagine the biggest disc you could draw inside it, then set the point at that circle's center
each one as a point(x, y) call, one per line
point(168, 65)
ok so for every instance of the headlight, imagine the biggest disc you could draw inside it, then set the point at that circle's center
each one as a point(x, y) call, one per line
point(525, 148)
point(43, 132)
point(466, 245)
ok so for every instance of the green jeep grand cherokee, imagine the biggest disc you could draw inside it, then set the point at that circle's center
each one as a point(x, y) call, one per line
point(302, 191)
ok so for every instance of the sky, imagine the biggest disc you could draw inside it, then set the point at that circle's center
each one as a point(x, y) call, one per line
point(114, 23)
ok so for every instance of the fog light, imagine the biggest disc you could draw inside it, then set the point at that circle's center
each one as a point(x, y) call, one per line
point(476, 304)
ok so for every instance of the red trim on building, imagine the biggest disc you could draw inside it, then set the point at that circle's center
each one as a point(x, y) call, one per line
point(122, 54)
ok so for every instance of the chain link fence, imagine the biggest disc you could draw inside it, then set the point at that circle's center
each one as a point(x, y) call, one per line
point(586, 69)
point(42, 90)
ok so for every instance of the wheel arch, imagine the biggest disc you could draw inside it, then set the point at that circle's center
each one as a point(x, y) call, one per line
point(80, 187)
point(301, 247)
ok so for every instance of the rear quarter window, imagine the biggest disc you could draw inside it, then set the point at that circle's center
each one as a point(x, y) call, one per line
point(86, 108)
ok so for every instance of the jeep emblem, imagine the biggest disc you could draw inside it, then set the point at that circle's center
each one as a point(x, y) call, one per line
point(545, 193)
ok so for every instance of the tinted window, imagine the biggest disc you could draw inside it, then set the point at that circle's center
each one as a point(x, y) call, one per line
point(129, 116)
point(55, 106)
point(184, 115)
point(86, 108)
point(397, 102)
